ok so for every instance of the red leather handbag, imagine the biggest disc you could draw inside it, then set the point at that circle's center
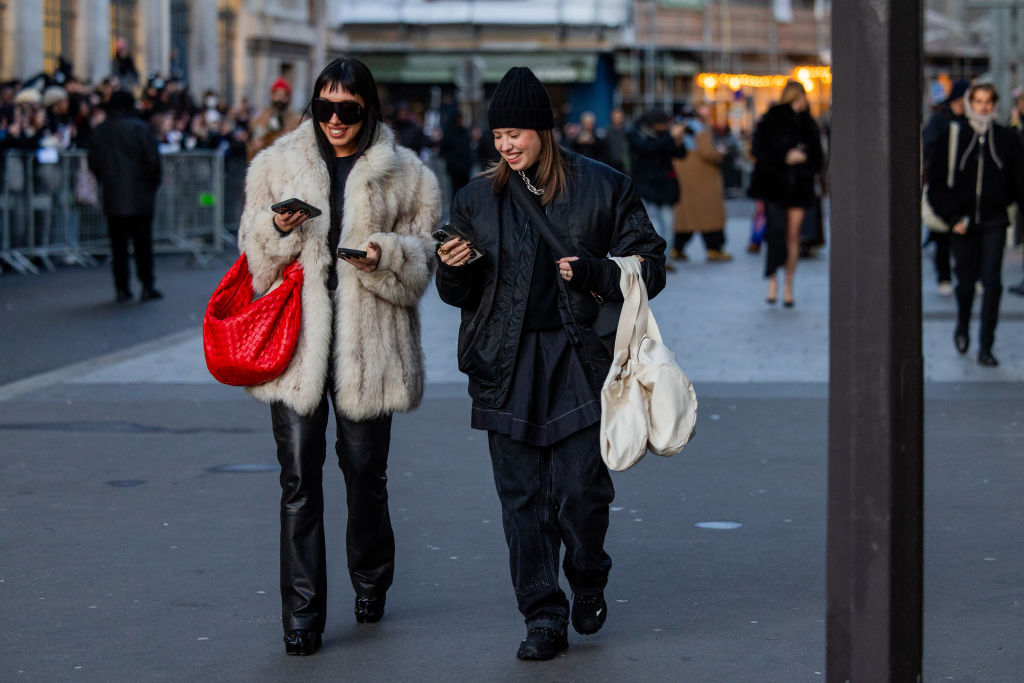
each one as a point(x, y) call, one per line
point(250, 342)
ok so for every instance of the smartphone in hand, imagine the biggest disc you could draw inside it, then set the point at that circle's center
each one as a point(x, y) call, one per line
point(351, 253)
point(295, 205)
point(447, 233)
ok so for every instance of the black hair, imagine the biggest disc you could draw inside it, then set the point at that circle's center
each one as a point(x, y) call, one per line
point(353, 76)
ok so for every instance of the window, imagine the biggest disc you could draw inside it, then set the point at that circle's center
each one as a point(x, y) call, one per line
point(58, 32)
point(123, 22)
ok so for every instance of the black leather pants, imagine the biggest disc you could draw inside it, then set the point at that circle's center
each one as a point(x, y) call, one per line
point(362, 449)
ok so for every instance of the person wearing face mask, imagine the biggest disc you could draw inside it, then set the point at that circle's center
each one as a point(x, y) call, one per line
point(535, 361)
point(987, 179)
point(359, 345)
point(274, 121)
point(788, 153)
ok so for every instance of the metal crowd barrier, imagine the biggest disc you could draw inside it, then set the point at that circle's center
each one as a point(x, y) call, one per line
point(51, 208)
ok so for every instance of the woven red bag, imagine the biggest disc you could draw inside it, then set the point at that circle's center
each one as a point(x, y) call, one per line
point(251, 342)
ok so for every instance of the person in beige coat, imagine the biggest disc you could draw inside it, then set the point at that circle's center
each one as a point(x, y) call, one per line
point(702, 202)
point(359, 344)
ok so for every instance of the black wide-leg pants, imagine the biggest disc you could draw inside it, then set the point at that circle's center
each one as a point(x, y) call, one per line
point(552, 496)
point(362, 449)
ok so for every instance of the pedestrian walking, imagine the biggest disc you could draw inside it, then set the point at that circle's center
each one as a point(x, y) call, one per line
point(949, 112)
point(124, 158)
point(987, 179)
point(788, 155)
point(359, 345)
point(533, 356)
point(653, 144)
point(1017, 123)
point(700, 184)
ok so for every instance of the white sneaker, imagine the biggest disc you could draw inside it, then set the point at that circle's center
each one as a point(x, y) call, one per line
point(946, 288)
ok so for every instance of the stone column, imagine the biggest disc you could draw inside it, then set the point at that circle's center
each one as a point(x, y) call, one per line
point(28, 38)
point(92, 40)
point(155, 15)
point(203, 57)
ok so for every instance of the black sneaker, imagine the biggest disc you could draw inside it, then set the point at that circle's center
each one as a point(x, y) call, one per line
point(542, 643)
point(588, 613)
point(150, 294)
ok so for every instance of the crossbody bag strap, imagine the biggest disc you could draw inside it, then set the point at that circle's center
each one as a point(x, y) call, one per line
point(537, 217)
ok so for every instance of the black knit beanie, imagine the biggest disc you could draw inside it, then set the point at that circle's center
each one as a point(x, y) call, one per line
point(520, 101)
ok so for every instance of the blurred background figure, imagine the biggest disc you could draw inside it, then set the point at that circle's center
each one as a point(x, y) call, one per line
point(950, 110)
point(653, 144)
point(457, 151)
point(589, 141)
point(616, 143)
point(702, 205)
point(988, 177)
point(124, 158)
point(275, 120)
point(1017, 123)
point(787, 148)
point(123, 65)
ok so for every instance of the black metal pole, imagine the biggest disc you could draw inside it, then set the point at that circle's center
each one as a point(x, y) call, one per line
point(875, 476)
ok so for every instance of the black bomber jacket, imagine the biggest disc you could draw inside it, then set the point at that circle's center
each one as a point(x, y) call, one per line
point(601, 214)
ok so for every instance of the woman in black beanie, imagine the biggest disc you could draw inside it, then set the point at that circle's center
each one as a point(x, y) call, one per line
point(533, 349)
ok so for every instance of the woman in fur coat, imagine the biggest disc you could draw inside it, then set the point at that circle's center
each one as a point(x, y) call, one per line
point(359, 345)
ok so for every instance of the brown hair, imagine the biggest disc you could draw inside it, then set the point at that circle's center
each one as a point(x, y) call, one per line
point(551, 169)
point(791, 91)
point(985, 86)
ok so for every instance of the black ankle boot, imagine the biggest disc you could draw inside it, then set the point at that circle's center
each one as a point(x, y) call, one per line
point(588, 613)
point(369, 610)
point(542, 643)
point(301, 642)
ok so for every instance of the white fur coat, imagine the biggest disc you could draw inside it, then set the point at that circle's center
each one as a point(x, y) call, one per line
point(391, 199)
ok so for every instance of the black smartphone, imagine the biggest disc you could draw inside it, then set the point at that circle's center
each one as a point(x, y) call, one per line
point(447, 233)
point(294, 205)
point(351, 253)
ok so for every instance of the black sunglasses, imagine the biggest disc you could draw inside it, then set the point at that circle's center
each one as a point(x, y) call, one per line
point(349, 112)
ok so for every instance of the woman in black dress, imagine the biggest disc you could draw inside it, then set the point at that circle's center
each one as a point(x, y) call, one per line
point(534, 359)
point(787, 148)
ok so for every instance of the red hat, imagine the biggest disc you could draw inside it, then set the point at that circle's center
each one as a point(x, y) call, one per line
point(282, 84)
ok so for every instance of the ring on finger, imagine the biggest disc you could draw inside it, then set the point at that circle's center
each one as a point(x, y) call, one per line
point(443, 250)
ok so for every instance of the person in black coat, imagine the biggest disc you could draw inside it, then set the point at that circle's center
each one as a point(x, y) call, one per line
point(950, 111)
point(535, 350)
point(787, 149)
point(988, 178)
point(124, 158)
point(457, 152)
point(653, 143)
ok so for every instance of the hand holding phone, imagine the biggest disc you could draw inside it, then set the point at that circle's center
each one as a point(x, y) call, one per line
point(295, 205)
point(454, 248)
point(365, 261)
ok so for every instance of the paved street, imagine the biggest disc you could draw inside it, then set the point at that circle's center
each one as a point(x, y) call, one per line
point(138, 501)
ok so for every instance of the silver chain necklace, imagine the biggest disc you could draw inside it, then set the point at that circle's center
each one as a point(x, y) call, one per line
point(529, 185)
